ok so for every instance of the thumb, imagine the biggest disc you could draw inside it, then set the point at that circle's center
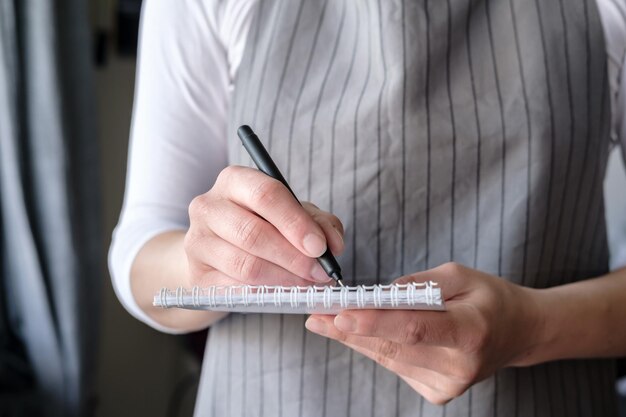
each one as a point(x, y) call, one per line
point(454, 279)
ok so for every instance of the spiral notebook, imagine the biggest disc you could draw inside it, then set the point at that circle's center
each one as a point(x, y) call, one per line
point(304, 300)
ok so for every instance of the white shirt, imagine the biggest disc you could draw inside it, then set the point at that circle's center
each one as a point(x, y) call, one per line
point(189, 54)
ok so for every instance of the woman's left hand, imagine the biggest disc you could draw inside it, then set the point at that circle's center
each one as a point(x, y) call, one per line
point(489, 324)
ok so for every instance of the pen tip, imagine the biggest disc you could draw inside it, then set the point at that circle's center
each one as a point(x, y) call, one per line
point(338, 278)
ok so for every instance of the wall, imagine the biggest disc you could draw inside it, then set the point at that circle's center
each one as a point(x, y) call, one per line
point(615, 198)
point(139, 368)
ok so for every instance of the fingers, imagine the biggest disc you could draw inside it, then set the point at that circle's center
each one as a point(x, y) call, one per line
point(257, 237)
point(431, 395)
point(435, 387)
point(250, 227)
point(414, 365)
point(385, 351)
point(453, 279)
point(271, 200)
point(405, 327)
point(330, 224)
point(429, 370)
point(238, 264)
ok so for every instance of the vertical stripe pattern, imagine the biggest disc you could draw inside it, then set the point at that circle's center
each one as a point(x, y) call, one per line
point(468, 130)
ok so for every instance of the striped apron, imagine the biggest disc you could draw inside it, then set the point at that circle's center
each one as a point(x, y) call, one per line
point(436, 130)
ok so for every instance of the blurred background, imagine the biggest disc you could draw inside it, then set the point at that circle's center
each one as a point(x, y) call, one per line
point(141, 372)
point(67, 347)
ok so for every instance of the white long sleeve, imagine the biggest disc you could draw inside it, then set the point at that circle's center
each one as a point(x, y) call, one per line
point(178, 134)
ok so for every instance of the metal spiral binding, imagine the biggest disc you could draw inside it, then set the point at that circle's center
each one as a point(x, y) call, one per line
point(426, 295)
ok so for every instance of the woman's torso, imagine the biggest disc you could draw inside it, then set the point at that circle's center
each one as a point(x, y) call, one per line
point(473, 131)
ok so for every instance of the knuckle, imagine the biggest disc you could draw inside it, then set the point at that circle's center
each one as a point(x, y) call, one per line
point(386, 352)
point(341, 337)
point(416, 331)
point(227, 174)
point(198, 207)
point(264, 194)
point(249, 232)
point(247, 266)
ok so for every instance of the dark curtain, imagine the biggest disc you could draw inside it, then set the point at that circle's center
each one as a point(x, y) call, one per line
point(127, 23)
point(50, 256)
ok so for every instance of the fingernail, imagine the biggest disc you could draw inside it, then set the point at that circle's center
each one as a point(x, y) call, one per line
point(315, 325)
point(318, 273)
point(345, 323)
point(314, 245)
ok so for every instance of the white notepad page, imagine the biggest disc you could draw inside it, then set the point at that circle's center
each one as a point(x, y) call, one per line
point(304, 300)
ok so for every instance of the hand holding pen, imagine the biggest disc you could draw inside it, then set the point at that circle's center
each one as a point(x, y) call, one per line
point(264, 162)
point(250, 229)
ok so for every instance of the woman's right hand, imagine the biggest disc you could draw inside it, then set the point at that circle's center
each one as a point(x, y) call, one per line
point(248, 229)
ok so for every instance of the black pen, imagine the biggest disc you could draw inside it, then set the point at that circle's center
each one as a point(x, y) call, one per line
point(264, 162)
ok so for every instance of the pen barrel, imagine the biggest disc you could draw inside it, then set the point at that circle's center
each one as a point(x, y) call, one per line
point(330, 264)
point(260, 156)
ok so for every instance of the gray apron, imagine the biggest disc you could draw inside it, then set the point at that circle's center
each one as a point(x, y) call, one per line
point(467, 130)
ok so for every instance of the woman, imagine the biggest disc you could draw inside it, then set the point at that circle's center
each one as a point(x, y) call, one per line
point(428, 132)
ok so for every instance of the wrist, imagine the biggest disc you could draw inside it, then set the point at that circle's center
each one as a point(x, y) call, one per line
point(538, 335)
point(558, 325)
